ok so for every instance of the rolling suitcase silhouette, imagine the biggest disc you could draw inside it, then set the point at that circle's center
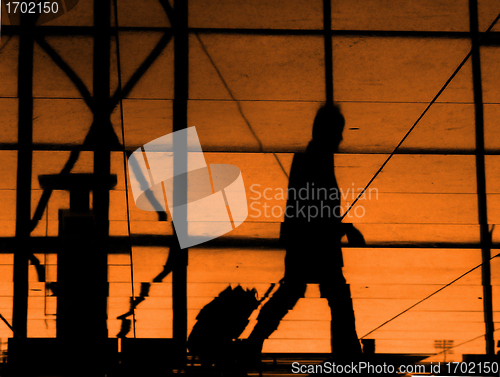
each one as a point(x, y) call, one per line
point(220, 323)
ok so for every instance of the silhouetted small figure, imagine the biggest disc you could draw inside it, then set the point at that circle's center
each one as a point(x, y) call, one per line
point(134, 302)
point(311, 234)
point(145, 287)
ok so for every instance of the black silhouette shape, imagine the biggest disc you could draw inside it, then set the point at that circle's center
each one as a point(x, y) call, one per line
point(214, 338)
point(134, 302)
point(219, 323)
point(89, 100)
point(145, 287)
point(311, 234)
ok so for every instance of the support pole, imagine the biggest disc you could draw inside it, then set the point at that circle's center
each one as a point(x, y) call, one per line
point(327, 35)
point(101, 142)
point(485, 237)
point(179, 273)
point(24, 168)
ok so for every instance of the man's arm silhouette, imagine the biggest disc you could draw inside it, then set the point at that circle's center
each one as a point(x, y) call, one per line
point(354, 236)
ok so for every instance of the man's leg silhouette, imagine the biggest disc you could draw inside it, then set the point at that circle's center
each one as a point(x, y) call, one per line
point(344, 338)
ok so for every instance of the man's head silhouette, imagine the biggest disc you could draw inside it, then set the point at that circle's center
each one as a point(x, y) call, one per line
point(328, 127)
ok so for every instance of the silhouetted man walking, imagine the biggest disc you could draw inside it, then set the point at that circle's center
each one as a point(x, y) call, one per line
point(311, 234)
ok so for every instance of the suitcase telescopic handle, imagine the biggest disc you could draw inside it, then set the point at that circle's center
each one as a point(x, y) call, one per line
point(268, 292)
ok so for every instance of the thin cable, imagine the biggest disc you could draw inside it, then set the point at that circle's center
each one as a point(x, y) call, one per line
point(461, 344)
point(9, 326)
point(124, 159)
point(6, 42)
point(261, 147)
point(387, 160)
point(428, 297)
point(419, 118)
